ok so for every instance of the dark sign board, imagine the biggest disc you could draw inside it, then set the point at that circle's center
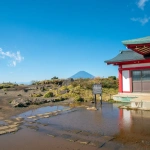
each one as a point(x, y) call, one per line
point(97, 89)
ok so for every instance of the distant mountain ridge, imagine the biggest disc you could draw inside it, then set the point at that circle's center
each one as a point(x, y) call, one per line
point(82, 74)
point(25, 83)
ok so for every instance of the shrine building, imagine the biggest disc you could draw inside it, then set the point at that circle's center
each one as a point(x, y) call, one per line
point(134, 66)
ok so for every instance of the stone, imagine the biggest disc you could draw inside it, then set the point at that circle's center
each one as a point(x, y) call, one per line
point(12, 130)
point(3, 127)
point(83, 142)
point(39, 115)
point(72, 139)
point(48, 113)
point(37, 101)
point(21, 102)
point(91, 108)
point(12, 126)
point(46, 116)
point(8, 121)
point(19, 119)
point(30, 117)
point(2, 132)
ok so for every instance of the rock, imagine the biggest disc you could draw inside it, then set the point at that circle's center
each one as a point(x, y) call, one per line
point(42, 88)
point(63, 92)
point(67, 82)
point(12, 130)
point(30, 117)
point(25, 90)
point(48, 100)
point(20, 102)
point(91, 108)
point(2, 132)
point(37, 101)
point(24, 102)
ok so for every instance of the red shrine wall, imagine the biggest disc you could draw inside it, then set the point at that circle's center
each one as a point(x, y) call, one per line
point(126, 72)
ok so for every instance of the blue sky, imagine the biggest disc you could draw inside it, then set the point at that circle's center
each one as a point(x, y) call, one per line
point(40, 39)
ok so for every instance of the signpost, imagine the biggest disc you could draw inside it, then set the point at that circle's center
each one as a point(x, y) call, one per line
point(97, 89)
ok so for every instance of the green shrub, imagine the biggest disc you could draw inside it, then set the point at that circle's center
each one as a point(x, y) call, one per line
point(79, 99)
point(49, 94)
point(112, 77)
point(36, 95)
point(54, 78)
point(4, 89)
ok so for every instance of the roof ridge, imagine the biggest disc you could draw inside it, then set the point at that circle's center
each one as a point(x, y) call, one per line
point(128, 50)
point(142, 40)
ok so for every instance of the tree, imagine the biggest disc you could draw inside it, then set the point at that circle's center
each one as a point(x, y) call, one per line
point(112, 77)
point(54, 77)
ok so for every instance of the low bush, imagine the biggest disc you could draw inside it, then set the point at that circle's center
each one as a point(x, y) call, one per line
point(48, 94)
point(36, 95)
point(79, 99)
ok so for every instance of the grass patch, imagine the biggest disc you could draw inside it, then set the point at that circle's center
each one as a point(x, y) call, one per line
point(49, 94)
point(36, 95)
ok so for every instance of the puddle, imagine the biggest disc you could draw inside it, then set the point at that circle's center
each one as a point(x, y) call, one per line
point(107, 120)
point(80, 124)
point(2, 122)
point(42, 110)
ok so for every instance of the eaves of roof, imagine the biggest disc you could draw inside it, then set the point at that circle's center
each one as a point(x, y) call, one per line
point(137, 41)
point(124, 56)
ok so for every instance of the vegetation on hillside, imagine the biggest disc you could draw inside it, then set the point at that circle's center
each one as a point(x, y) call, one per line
point(78, 90)
point(7, 85)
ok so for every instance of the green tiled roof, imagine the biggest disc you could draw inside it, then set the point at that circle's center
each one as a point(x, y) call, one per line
point(127, 55)
point(137, 41)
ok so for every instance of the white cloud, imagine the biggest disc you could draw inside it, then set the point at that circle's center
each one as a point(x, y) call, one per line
point(141, 4)
point(143, 21)
point(14, 57)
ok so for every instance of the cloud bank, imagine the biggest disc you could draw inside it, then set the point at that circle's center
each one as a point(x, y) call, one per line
point(141, 4)
point(14, 57)
point(143, 21)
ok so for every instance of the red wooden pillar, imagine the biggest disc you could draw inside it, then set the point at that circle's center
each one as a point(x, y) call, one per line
point(120, 78)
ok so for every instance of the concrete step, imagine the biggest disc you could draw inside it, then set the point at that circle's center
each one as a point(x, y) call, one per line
point(123, 98)
point(142, 102)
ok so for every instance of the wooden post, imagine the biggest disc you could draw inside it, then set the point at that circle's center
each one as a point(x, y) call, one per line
point(95, 100)
point(101, 98)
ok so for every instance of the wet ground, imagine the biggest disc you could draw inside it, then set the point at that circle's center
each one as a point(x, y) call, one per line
point(61, 127)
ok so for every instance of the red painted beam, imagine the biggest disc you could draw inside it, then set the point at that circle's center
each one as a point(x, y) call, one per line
point(120, 78)
point(130, 62)
point(136, 68)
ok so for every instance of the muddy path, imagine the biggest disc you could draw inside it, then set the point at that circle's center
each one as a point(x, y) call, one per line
point(64, 127)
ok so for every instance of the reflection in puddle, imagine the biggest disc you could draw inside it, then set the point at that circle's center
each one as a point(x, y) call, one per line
point(78, 125)
point(2, 122)
point(134, 121)
point(107, 120)
point(125, 119)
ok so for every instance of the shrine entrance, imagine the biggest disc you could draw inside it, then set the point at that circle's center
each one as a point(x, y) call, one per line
point(141, 81)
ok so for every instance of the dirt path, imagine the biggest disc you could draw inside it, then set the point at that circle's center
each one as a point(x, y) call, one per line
point(27, 139)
